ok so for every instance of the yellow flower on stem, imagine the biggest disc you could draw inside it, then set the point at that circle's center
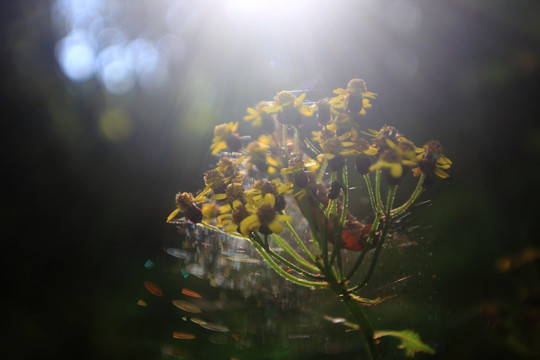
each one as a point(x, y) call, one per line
point(186, 203)
point(231, 217)
point(263, 155)
point(385, 136)
point(334, 148)
point(229, 169)
point(264, 218)
point(274, 187)
point(290, 109)
point(215, 182)
point(431, 160)
point(261, 116)
point(234, 191)
point(395, 159)
point(226, 137)
point(355, 98)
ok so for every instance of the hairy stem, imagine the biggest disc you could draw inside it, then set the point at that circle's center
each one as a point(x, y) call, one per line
point(286, 247)
point(387, 221)
point(285, 274)
point(416, 193)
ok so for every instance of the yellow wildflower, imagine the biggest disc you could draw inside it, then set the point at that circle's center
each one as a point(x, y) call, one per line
point(225, 137)
point(355, 98)
point(290, 109)
point(231, 217)
point(395, 159)
point(264, 218)
point(431, 159)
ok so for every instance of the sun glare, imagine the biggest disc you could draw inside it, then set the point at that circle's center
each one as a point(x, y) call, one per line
point(265, 7)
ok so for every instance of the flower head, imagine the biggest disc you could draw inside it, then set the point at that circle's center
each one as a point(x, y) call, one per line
point(324, 112)
point(275, 188)
point(290, 109)
point(186, 203)
point(231, 217)
point(226, 137)
point(355, 98)
point(432, 161)
point(382, 137)
point(334, 147)
point(260, 115)
point(394, 159)
point(261, 154)
point(264, 217)
point(228, 168)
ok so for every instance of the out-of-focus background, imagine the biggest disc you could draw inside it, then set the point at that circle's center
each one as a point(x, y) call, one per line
point(109, 108)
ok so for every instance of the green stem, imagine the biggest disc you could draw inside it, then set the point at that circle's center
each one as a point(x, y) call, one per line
point(417, 191)
point(365, 326)
point(322, 170)
point(312, 222)
point(358, 313)
point(294, 267)
point(390, 196)
point(372, 200)
point(285, 274)
point(285, 246)
point(311, 146)
point(378, 190)
point(387, 221)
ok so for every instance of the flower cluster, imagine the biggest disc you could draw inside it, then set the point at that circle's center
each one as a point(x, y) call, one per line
point(246, 191)
point(259, 177)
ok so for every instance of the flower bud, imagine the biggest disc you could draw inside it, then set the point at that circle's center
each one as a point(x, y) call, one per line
point(336, 163)
point(335, 190)
point(234, 142)
point(323, 111)
point(301, 179)
point(362, 164)
point(194, 214)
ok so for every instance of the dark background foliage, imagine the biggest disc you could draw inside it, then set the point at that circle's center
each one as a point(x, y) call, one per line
point(81, 213)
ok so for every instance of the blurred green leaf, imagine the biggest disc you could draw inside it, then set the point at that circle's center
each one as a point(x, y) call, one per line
point(410, 341)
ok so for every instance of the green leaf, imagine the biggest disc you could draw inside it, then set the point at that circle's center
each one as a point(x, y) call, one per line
point(410, 341)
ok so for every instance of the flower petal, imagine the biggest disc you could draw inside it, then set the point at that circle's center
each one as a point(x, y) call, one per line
point(275, 227)
point(269, 199)
point(441, 174)
point(249, 223)
point(173, 214)
point(396, 170)
point(221, 196)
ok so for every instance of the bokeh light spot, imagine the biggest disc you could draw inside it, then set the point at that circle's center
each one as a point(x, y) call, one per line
point(183, 336)
point(115, 125)
point(76, 57)
point(191, 293)
point(153, 288)
point(186, 306)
